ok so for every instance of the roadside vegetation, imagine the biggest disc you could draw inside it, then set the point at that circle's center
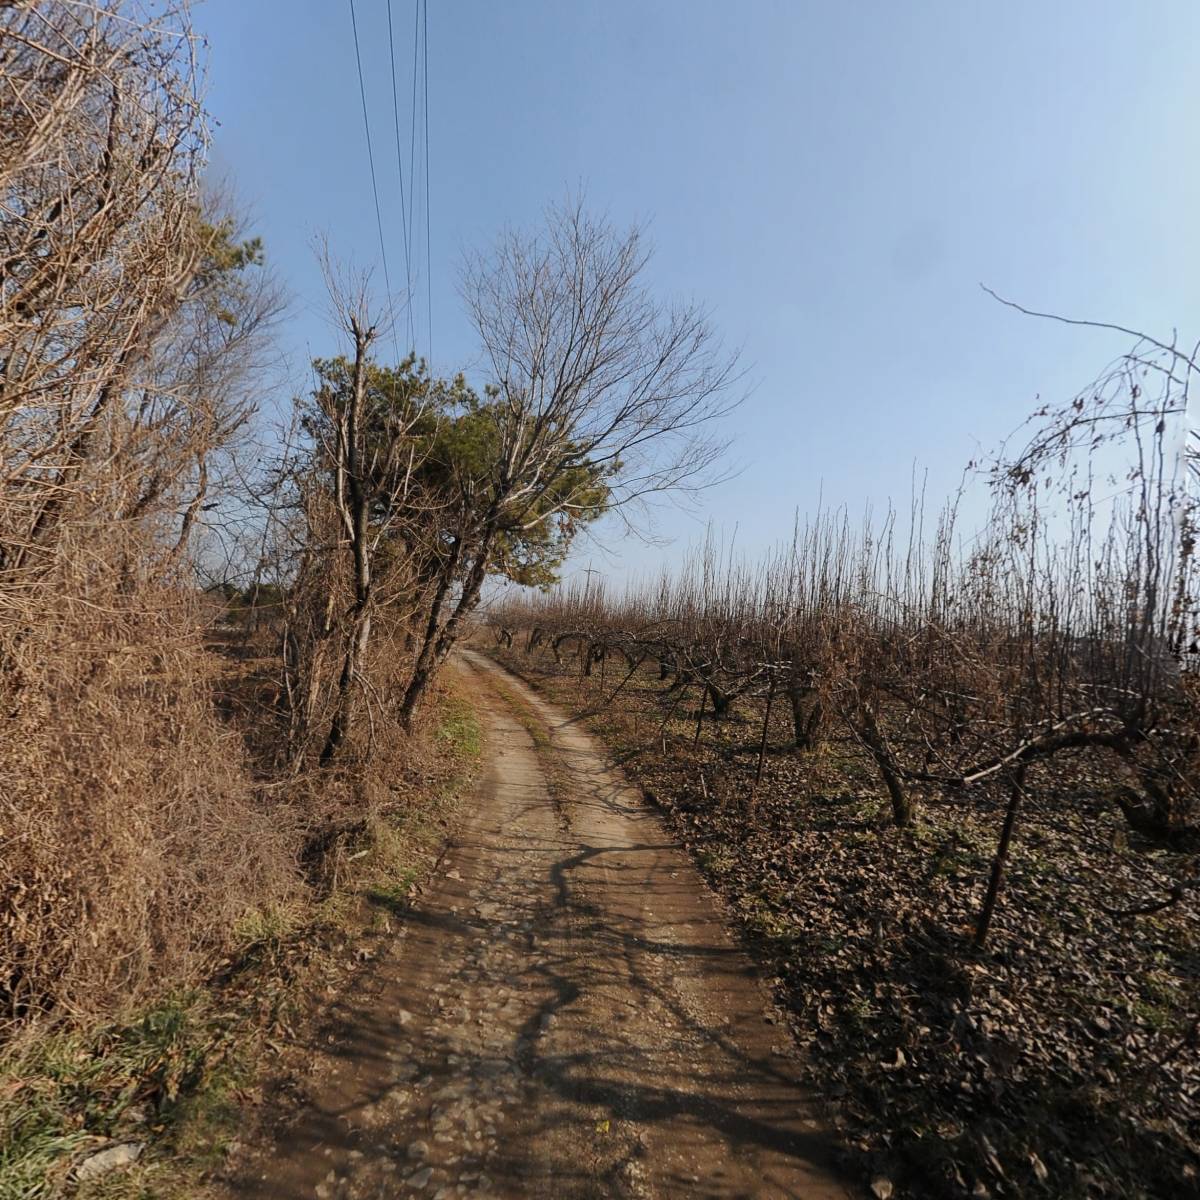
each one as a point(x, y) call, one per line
point(168, 1087)
point(221, 641)
point(947, 783)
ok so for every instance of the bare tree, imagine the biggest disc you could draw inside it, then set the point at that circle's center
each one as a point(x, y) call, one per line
point(347, 515)
point(592, 378)
point(352, 501)
point(100, 143)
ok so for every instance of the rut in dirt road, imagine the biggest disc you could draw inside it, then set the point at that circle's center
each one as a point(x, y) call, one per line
point(564, 1015)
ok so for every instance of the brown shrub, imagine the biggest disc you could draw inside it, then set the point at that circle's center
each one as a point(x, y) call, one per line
point(133, 841)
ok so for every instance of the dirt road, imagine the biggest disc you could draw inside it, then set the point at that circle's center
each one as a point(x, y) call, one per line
point(564, 1015)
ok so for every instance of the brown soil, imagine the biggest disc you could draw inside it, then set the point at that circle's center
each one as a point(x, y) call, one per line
point(562, 1015)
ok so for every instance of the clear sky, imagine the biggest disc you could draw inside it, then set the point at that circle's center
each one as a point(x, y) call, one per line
point(832, 179)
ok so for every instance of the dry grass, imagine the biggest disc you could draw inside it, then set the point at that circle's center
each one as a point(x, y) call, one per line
point(135, 840)
point(184, 1071)
point(132, 839)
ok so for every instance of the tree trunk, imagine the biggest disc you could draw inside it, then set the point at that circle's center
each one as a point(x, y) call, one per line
point(438, 645)
point(343, 715)
point(806, 715)
point(355, 504)
point(902, 809)
point(423, 667)
point(998, 863)
point(762, 747)
point(721, 701)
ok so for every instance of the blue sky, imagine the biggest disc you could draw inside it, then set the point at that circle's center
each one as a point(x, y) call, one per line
point(834, 180)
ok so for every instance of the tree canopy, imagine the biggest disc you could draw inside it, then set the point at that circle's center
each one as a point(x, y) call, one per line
point(452, 470)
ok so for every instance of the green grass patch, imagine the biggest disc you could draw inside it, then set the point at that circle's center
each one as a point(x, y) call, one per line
point(399, 842)
point(167, 1077)
point(524, 713)
point(459, 729)
point(717, 860)
point(394, 895)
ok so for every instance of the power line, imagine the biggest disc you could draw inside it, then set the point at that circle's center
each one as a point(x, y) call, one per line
point(412, 132)
point(400, 172)
point(428, 258)
point(362, 91)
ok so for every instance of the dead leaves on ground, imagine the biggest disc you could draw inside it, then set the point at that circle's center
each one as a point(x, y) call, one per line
point(1062, 1062)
